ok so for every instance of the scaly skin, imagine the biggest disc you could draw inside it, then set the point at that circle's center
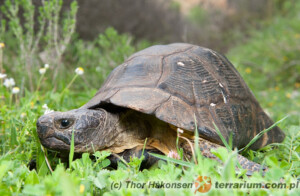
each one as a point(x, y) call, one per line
point(206, 146)
point(121, 132)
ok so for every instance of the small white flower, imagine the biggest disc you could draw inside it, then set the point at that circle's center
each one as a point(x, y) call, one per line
point(79, 70)
point(9, 82)
point(2, 75)
point(46, 66)
point(23, 115)
point(47, 111)
point(42, 71)
point(45, 106)
point(15, 90)
point(174, 155)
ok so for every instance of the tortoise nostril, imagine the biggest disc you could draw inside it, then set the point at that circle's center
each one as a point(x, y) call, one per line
point(43, 129)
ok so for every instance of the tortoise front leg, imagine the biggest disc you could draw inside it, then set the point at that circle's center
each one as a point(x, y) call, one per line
point(147, 162)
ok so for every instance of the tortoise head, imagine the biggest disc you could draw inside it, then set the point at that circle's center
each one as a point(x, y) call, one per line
point(55, 129)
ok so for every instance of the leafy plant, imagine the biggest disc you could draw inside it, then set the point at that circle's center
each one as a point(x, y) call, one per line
point(53, 39)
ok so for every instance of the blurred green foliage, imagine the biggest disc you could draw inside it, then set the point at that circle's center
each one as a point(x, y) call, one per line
point(197, 15)
point(275, 61)
point(269, 63)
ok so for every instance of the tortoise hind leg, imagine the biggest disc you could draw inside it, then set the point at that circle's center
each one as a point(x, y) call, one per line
point(205, 147)
point(250, 166)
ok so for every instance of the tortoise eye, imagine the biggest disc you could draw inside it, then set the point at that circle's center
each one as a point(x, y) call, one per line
point(64, 123)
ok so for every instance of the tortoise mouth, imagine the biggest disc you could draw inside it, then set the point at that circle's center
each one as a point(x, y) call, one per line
point(62, 138)
point(54, 143)
point(51, 138)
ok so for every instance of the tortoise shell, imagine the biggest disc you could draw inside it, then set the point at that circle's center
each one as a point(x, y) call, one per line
point(180, 83)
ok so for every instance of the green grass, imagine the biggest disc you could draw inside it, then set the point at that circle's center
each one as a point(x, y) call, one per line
point(269, 63)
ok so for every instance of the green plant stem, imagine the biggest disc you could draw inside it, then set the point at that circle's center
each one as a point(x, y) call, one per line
point(46, 159)
point(1, 64)
point(39, 83)
point(68, 86)
point(10, 98)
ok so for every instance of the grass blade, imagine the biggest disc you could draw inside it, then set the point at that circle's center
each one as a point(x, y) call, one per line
point(260, 134)
point(142, 157)
point(163, 157)
point(197, 149)
point(222, 138)
point(71, 155)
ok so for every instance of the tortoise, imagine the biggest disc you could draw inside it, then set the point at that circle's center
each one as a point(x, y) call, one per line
point(157, 91)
